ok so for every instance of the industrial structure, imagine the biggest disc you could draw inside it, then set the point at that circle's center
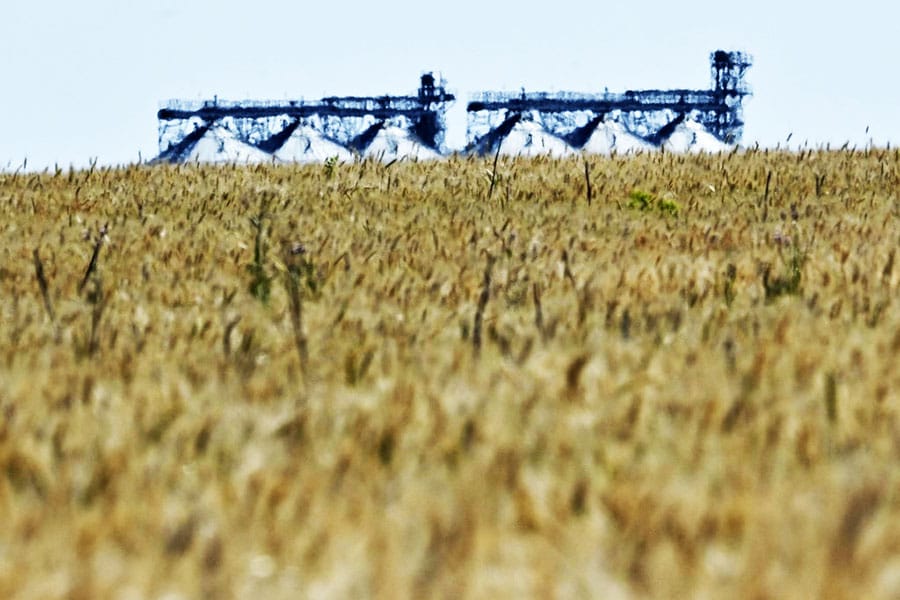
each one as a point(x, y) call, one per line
point(650, 115)
point(352, 122)
point(392, 127)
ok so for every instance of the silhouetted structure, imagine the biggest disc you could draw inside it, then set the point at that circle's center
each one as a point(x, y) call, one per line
point(413, 126)
point(649, 114)
point(350, 121)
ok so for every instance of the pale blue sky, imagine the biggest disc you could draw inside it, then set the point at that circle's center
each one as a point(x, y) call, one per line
point(84, 79)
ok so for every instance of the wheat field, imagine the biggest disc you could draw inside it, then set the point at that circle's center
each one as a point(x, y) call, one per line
point(657, 376)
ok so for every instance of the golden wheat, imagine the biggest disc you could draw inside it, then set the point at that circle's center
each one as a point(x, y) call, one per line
point(453, 379)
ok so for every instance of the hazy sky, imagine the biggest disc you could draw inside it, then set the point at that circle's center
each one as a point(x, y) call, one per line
point(83, 80)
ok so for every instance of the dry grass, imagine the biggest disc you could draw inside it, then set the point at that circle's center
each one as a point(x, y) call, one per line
point(385, 385)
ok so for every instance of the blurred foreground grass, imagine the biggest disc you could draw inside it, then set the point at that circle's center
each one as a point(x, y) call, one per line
point(375, 381)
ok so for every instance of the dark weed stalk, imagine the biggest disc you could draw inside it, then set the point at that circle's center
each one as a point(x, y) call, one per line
point(728, 291)
point(888, 270)
point(573, 373)
point(482, 303)
point(820, 181)
point(292, 255)
point(585, 303)
point(765, 201)
point(831, 404)
point(494, 172)
point(538, 312)
point(587, 181)
point(92, 266)
point(98, 301)
point(226, 337)
point(567, 272)
point(42, 283)
point(261, 284)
